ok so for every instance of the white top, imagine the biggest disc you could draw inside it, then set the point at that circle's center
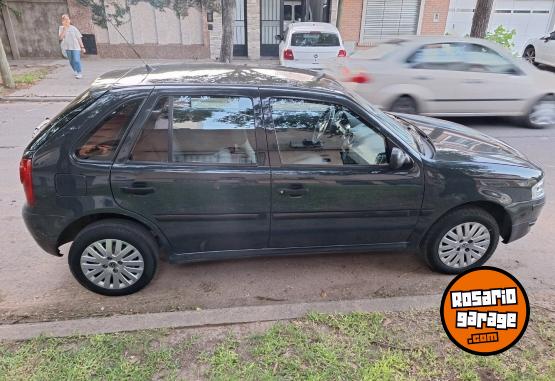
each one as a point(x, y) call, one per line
point(71, 39)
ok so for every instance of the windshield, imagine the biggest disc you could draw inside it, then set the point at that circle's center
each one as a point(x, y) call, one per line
point(314, 39)
point(50, 127)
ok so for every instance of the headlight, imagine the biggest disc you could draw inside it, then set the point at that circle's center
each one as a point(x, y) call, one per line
point(537, 190)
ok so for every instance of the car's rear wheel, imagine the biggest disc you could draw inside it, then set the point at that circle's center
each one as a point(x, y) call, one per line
point(113, 257)
point(404, 105)
point(462, 239)
point(542, 113)
point(530, 55)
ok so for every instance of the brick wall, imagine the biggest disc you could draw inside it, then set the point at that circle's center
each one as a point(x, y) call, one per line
point(80, 16)
point(434, 17)
point(349, 19)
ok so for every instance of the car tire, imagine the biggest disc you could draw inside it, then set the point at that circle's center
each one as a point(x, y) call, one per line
point(542, 113)
point(404, 105)
point(121, 256)
point(475, 223)
point(530, 55)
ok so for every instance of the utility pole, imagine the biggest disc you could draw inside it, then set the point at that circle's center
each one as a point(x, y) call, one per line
point(5, 68)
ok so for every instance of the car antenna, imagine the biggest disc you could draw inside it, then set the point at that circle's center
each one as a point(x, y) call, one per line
point(147, 66)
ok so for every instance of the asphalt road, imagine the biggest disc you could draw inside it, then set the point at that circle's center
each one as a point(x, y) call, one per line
point(37, 286)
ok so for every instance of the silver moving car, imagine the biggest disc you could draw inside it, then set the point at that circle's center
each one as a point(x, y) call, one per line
point(451, 76)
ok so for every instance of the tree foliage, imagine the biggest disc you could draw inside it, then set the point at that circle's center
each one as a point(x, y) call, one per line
point(502, 36)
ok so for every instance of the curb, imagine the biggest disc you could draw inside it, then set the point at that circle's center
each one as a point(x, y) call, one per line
point(36, 99)
point(220, 316)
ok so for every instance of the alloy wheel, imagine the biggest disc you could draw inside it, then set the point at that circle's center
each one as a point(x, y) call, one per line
point(464, 244)
point(112, 263)
point(530, 55)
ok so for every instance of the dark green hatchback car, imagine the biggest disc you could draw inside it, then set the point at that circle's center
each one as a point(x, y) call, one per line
point(203, 163)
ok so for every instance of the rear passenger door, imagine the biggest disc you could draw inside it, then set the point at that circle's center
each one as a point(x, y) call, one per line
point(196, 164)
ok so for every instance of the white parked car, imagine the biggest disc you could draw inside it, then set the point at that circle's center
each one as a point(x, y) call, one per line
point(445, 76)
point(308, 45)
point(541, 50)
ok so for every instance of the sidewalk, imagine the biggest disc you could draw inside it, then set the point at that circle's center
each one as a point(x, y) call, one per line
point(220, 316)
point(60, 85)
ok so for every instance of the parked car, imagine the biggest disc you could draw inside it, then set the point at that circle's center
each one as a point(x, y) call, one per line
point(307, 45)
point(216, 162)
point(541, 50)
point(450, 76)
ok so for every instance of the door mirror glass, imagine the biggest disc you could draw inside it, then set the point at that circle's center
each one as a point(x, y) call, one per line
point(398, 158)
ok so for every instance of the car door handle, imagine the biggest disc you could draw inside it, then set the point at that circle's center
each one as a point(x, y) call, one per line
point(293, 193)
point(138, 190)
point(422, 77)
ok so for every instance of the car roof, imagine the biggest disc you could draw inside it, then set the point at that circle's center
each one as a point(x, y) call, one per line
point(420, 40)
point(312, 26)
point(212, 74)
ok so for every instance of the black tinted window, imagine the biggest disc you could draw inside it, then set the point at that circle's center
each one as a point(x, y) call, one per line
point(153, 143)
point(102, 143)
point(313, 133)
point(203, 129)
point(314, 39)
point(212, 129)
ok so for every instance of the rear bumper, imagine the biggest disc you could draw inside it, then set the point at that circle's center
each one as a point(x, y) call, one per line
point(523, 218)
point(45, 229)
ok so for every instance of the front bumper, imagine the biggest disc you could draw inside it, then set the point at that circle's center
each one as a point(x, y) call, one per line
point(45, 229)
point(523, 218)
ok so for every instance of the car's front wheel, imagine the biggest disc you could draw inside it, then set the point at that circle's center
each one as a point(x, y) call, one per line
point(530, 55)
point(113, 257)
point(542, 113)
point(462, 239)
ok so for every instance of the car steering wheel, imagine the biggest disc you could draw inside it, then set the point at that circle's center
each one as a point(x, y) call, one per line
point(323, 123)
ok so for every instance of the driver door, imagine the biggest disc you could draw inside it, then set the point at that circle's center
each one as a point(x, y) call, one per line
point(331, 183)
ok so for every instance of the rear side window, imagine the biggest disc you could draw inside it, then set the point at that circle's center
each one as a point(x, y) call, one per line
point(314, 39)
point(101, 144)
point(199, 130)
point(63, 118)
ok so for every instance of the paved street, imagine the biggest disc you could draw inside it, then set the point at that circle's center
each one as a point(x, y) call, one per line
point(37, 286)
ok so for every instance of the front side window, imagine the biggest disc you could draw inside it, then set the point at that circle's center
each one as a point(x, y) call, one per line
point(315, 133)
point(199, 130)
point(101, 144)
point(314, 39)
point(460, 57)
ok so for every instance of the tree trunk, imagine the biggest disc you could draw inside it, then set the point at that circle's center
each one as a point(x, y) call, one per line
point(480, 20)
point(228, 19)
point(5, 71)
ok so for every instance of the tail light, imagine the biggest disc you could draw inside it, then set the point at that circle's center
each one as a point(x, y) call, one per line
point(342, 53)
point(359, 78)
point(288, 54)
point(25, 175)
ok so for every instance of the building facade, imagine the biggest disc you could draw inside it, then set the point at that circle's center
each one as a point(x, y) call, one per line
point(197, 35)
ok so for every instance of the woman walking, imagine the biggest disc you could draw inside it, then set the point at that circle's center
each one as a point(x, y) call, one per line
point(72, 44)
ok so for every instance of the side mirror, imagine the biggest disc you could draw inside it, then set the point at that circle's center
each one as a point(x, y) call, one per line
point(398, 158)
point(279, 37)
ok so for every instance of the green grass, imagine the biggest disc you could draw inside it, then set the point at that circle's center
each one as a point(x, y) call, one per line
point(30, 77)
point(355, 346)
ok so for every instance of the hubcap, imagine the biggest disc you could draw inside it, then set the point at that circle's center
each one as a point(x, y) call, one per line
point(543, 113)
point(464, 244)
point(112, 263)
point(530, 55)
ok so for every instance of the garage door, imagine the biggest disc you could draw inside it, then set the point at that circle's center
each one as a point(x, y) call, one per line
point(382, 19)
point(530, 18)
